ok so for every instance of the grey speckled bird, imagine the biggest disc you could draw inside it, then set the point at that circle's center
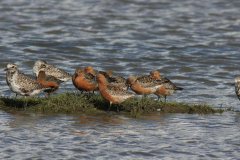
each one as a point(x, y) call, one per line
point(237, 86)
point(21, 84)
point(51, 70)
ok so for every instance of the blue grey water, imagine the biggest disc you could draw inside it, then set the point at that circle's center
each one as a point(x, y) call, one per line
point(194, 43)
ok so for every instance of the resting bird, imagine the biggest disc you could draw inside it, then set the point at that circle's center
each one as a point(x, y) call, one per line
point(94, 72)
point(110, 93)
point(51, 71)
point(167, 88)
point(144, 85)
point(84, 81)
point(51, 81)
point(120, 81)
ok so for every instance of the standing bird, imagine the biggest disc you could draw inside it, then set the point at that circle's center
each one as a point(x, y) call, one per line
point(21, 84)
point(84, 81)
point(94, 72)
point(48, 80)
point(8, 82)
point(144, 85)
point(167, 88)
point(135, 76)
point(237, 86)
point(51, 70)
point(110, 93)
point(138, 75)
point(120, 81)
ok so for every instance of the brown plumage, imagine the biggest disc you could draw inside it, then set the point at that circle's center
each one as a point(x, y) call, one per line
point(135, 76)
point(48, 81)
point(120, 81)
point(84, 81)
point(110, 93)
point(145, 84)
point(94, 72)
point(167, 88)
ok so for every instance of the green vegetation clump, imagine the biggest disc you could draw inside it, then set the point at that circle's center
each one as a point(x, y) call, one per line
point(73, 102)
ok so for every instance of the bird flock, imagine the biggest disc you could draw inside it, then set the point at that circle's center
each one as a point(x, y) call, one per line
point(113, 88)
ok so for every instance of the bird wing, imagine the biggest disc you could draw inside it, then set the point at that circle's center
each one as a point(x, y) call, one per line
point(117, 91)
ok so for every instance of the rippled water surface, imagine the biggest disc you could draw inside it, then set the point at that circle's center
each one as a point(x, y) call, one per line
point(157, 136)
point(193, 43)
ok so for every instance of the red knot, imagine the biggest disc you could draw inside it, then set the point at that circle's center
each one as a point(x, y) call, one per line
point(120, 81)
point(48, 80)
point(110, 93)
point(84, 81)
point(167, 88)
point(144, 85)
point(94, 72)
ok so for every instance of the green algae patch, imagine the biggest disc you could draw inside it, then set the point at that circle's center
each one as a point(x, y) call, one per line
point(138, 106)
point(73, 102)
point(65, 102)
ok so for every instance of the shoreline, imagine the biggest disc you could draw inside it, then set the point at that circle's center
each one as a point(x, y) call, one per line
point(88, 103)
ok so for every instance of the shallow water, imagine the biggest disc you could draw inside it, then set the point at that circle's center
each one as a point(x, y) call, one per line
point(182, 136)
point(193, 43)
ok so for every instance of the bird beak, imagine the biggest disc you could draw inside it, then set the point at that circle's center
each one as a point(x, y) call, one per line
point(5, 69)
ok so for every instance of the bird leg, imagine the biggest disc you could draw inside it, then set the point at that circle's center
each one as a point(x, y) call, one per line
point(159, 98)
point(118, 108)
point(25, 104)
point(109, 106)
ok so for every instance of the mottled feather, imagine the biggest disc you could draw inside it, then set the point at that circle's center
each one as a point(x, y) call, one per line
point(237, 86)
point(51, 70)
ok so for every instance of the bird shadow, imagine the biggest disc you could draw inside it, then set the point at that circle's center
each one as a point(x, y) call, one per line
point(17, 103)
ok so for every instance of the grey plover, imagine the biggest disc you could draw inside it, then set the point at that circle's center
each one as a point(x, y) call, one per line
point(167, 88)
point(21, 84)
point(111, 93)
point(84, 81)
point(237, 86)
point(51, 71)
